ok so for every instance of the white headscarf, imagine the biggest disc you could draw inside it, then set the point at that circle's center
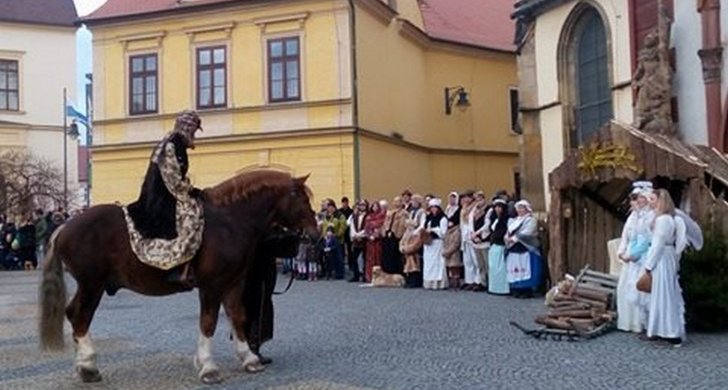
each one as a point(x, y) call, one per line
point(524, 203)
point(451, 209)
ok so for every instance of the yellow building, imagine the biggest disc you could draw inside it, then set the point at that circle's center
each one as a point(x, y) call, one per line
point(282, 84)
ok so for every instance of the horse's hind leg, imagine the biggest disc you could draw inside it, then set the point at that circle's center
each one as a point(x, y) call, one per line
point(236, 313)
point(209, 373)
point(80, 312)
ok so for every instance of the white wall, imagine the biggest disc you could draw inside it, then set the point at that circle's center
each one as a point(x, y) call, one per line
point(548, 31)
point(47, 59)
point(48, 64)
point(688, 80)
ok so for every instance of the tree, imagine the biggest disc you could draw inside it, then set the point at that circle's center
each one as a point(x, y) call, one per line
point(28, 182)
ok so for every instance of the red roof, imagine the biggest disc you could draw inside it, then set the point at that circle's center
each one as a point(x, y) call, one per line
point(51, 12)
point(484, 23)
point(119, 8)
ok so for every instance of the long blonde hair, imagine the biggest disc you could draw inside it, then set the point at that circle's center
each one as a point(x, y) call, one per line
point(664, 203)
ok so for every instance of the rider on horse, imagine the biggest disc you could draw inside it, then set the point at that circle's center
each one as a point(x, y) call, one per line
point(167, 190)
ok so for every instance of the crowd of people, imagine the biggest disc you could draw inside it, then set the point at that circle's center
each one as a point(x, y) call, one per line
point(23, 238)
point(466, 242)
point(649, 297)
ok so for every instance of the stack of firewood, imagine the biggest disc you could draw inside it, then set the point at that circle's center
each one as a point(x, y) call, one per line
point(577, 307)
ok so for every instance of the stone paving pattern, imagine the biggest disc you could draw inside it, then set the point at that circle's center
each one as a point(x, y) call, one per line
point(336, 335)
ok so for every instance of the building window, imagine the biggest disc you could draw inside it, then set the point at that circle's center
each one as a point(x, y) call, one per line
point(9, 86)
point(593, 92)
point(284, 65)
point(211, 77)
point(513, 105)
point(143, 83)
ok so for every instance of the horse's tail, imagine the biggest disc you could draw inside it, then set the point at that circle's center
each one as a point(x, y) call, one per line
point(52, 298)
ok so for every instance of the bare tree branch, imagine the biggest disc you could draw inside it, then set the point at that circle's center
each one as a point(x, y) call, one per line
point(28, 182)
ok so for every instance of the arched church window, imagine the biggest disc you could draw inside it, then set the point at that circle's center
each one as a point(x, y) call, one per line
point(593, 106)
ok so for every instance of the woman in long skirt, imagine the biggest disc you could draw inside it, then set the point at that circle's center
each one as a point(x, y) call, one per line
point(373, 224)
point(497, 272)
point(434, 271)
point(631, 305)
point(394, 228)
point(523, 260)
point(666, 315)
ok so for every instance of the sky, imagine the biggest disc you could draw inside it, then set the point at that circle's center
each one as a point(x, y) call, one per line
point(83, 56)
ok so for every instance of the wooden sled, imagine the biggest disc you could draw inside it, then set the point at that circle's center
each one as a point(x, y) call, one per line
point(544, 333)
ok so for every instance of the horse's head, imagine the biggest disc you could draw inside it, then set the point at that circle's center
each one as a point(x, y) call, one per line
point(294, 210)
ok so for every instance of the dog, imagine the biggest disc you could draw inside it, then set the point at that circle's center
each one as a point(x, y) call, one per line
point(383, 279)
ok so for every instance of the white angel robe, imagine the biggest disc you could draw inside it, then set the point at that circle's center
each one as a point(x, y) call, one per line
point(666, 316)
point(631, 305)
point(434, 273)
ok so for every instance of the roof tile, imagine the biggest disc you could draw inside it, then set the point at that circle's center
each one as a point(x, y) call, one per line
point(484, 23)
point(50, 12)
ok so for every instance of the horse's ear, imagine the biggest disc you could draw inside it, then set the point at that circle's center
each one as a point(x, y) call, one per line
point(302, 180)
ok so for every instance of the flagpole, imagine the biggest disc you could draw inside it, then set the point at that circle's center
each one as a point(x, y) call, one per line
point(65, 154)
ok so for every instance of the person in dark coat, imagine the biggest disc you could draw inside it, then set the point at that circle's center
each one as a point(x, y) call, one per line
point(26, 239)
point(259, 286)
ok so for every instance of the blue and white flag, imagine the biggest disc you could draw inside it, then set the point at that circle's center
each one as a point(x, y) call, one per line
point(73, 113)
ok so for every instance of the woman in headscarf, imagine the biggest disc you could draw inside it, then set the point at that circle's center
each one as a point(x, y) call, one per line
point(667, 307)
point(434, 275)
point(394, 227)
point(498, 227)
point(373, 224)
point(632, 249)
point(524, 257)
point(453, 241)
point(415, 225)
point(473, 229)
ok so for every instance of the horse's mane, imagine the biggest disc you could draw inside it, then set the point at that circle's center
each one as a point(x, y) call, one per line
point(243, 185)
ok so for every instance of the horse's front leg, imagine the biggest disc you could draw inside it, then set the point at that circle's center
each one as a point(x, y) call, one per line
point(208, 371)
point(235, 311)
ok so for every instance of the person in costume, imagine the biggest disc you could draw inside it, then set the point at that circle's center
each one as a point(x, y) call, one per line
point(498, 226)
point(434, 273)
point(394, 228)
point(373, 226)
point(357, 236)
point(523, 260)
point(636, 237)
point(167, 198)
point(453, 241)
point(666, 313)
point(413, 262)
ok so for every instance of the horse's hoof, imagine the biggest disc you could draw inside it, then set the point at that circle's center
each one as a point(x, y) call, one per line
point(254, 368)
point(211, 377)
point(89, 375)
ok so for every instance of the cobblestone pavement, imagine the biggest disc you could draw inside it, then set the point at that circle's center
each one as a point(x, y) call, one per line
point(335, 335)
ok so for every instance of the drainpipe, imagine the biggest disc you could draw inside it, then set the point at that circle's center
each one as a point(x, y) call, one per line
point(354, 100)
point(711, 56)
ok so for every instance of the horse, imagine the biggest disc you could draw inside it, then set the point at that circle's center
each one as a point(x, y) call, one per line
point(94, 248)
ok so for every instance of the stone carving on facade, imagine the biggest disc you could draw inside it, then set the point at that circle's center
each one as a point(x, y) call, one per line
point(652, 81)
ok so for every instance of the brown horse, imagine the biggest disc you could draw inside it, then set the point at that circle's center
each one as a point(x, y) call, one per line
point(95, 249)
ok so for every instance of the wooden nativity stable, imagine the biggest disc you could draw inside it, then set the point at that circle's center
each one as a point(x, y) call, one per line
point(590, 191)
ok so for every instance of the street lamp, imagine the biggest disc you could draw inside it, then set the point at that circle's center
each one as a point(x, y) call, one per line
point(455, 92)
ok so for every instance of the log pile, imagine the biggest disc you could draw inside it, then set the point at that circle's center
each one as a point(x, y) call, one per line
point(579, 308)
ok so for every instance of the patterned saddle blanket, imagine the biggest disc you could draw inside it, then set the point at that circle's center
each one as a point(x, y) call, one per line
point(167, 254)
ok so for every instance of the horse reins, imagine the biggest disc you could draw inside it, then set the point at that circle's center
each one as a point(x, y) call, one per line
point(288, 287)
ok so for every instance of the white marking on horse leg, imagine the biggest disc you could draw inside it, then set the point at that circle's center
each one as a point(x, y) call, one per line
point(203, 360)
point(85, 353)
point(251, 361)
